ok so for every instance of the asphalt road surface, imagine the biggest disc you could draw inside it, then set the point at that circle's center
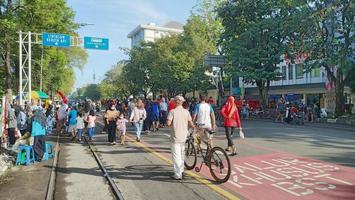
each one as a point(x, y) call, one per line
point(274, 161)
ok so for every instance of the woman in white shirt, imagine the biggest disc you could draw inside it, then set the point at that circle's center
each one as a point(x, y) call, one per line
point(138, 115)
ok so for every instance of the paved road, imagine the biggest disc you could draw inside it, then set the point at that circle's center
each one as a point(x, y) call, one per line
point(275, 161)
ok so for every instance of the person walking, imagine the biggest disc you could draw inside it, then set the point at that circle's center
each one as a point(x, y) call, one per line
point(231, 117)
point(80, 126)
point(138, 115)
point(147, 123)
point(61, 116)
point(205, 120)
point(163, 111)
point(111, 116)
point(180, 120)
point(171, 104)
point(121, 127)
point(73, 114)
point(91, 120)
point(280, 109)
point(154, 116)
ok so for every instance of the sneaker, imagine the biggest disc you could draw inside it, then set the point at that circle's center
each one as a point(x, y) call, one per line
point(175, 178)
point(138, 139)
point(113, 143)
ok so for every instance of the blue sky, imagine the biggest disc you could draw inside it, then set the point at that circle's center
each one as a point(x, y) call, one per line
point(114, 19)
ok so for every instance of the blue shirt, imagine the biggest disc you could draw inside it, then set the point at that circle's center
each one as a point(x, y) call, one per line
point(72, 117)
point(37, 129)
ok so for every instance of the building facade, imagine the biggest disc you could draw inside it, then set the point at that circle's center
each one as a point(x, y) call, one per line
point(297, 85)
point(152, 32)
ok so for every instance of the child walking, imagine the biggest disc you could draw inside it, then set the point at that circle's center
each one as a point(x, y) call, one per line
point(91, 124)
point(121, 126)
point(80, 126)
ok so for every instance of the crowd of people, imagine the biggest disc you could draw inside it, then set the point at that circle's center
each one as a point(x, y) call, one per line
point(148, 115)
point(298, 112)
point(27, 125)
point(30, 125)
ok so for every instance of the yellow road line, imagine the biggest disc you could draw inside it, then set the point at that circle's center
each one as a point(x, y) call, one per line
point(199, 178)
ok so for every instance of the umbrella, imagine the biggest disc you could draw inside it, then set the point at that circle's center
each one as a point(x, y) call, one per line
point(42, 95)
point(38, 95)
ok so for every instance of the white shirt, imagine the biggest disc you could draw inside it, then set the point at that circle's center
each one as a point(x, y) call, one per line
point(62, 113)
point(203, 112)
point(163, 106)
point(80, 123)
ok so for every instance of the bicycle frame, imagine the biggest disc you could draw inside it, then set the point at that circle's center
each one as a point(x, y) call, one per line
point(205, 159)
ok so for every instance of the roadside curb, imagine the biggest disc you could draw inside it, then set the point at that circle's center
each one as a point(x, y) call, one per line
point(52, 178)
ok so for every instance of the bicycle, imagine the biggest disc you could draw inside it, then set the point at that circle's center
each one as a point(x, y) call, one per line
point(215, 158)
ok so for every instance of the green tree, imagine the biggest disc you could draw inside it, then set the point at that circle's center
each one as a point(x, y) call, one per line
point(38, 16)
point(255, 38)
point(328, 35)
point(90, 91)
point(174, 63)
point(198, 42)
point(113, 84)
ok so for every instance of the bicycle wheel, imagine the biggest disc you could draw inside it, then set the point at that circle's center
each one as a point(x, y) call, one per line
point(190, 155)
point(219, 164)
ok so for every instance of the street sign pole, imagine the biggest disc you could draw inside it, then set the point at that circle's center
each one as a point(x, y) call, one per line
point(217, 61)
point(29, 68)
point(46, 39)
point(20, 64)
point(25, 63)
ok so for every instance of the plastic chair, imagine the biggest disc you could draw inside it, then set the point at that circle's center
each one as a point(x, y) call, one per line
point(49, 153)
point(25, 155)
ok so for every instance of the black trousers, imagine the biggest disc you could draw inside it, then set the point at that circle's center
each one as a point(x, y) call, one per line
point(11, 134)
point(39, 145)
point(229, 133)
point(147, 124)
point(111, 131)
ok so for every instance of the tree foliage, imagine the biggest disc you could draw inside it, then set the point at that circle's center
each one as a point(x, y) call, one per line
point(39, 16)
point(255, 38)
point(327, 33)
point(173, 64)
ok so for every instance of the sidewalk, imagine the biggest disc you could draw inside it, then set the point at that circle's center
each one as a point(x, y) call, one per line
point(77, 176)
point(27, 182)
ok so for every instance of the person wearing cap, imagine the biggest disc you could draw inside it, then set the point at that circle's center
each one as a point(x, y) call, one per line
point(180, 120)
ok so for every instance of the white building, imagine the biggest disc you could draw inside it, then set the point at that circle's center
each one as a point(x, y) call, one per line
point(296, 85)
point(151, 32)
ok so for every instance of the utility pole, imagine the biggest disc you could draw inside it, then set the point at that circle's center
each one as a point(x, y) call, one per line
point(94, 77)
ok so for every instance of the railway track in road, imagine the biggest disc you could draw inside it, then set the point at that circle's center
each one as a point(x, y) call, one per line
point(50, 194)
point(110, 181)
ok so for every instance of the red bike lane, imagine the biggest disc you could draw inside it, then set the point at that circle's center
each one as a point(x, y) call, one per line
point(281, 175)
